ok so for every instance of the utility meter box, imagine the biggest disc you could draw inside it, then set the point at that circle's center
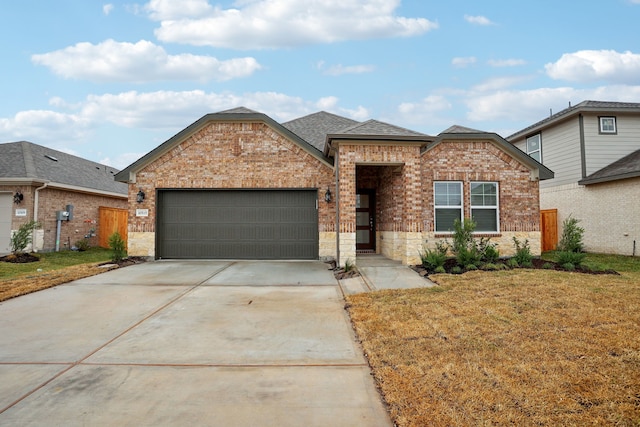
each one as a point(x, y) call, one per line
point(62, 215)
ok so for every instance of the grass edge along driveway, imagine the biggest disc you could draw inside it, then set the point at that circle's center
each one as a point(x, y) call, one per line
point(521, 347)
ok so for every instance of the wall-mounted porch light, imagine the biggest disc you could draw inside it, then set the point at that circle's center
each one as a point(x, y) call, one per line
point(327, 195)
point(140, 196)
point(17, 198)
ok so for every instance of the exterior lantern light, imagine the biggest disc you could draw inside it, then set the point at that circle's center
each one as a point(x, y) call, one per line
point(140, 196)
point(327, 195)
point(18, 197)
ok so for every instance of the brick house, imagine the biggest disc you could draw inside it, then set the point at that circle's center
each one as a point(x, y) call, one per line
point(237, 184)
point(36, 182)
point(594, 149)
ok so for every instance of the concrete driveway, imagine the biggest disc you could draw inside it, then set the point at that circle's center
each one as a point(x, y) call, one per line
point(198, 343)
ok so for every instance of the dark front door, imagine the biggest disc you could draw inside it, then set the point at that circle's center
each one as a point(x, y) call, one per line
point(365, 220)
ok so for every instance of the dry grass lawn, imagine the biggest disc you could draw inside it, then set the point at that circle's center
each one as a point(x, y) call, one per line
point(25, 284)
point(520, 347)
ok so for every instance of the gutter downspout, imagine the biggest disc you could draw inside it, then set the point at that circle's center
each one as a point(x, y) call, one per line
point(583, 160)
point(36, 199)
point(337, 172)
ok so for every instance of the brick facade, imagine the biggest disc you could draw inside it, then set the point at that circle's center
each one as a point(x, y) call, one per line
point(228, 155)
point(51, 199)
point(254, 154)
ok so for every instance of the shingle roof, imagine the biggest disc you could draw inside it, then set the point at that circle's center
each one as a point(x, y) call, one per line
point(626, 167)
point(375, 127)
point(238, 110)
point(604, 106)
point(315, 127)
point(461, 129)
point(26, 160)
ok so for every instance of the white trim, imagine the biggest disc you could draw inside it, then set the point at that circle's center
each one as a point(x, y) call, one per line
point(435, 206)
point(495, 207)
point(601, 129)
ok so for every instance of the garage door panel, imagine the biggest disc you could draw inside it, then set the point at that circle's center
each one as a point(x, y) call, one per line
point(242, 224)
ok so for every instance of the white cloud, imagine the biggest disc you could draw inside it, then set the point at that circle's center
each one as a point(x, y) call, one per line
point(530, 106)
point(498, 83)
point(462, 62)
point(143, 61)
point(597, 65)
point(107, 9)
point(261, 24)
point(478, 20)
point(506, 62)
point(122, 160)
point(45, 125)
point(339, 69)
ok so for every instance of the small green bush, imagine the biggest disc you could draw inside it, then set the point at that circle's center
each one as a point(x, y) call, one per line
point(571, 240)
point(348, 265)
point(434, 258)
point(502, 266)
point(21, 238)
point(456, 270)
point(547, 266)
point(490, 253)
point(470, 267)
point(568, 266)
point(489, 267)
point(81, 245)
point(513, 263)
point(117, 245)
point(523, 252)
point(439, 270)
point(567, 257)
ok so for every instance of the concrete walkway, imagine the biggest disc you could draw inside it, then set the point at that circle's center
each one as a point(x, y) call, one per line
point(196, 343)
point(378, 272)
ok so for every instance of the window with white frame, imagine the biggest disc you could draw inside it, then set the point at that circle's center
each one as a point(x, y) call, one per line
point(608, 125)
point(448, 204)
point(484, 206)
point(534, 147)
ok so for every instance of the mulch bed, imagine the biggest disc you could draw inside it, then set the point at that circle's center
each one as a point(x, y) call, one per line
point(126, 261)
point(538, 264)
point(19, 258)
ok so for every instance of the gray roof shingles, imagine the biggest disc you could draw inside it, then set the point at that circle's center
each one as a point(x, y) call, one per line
point(626, 167)
point(32, 161)
point(314, 128)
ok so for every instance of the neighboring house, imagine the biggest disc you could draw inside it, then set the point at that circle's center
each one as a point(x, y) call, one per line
point(594, 150)
point(36, 182)
point(237, 184)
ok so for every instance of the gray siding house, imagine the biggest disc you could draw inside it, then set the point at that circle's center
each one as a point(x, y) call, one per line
point(594, 150)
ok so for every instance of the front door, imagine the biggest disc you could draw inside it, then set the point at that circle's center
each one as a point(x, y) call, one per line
point(365, 220)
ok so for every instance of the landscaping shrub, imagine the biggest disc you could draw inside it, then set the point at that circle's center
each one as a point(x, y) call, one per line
point(440, 270)
point(547, 266)
point(21, 238)
point(523, 252)
point(117, 245)
point(490, 253)
point(81, 245)
point(571, 240)
point(569, 266)
point(434, 258)
point(348, 265)
point(513, 263)
point(464, 247)
point(567, 257)
point(456, 270)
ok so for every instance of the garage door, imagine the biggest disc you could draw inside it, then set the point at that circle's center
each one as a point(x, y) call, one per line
point(237, 224)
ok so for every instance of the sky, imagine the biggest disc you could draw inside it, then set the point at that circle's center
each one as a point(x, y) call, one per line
point(110, 81)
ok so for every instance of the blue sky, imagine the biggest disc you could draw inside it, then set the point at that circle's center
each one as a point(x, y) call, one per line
point(109, 81)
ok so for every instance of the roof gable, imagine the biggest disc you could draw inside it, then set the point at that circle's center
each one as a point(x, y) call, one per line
point(235, 115)
point(626, 167)
point(29, 161)
point(538, 169)
point(378, 128)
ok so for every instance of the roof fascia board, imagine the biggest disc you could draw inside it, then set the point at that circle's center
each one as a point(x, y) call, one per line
point(128, 174)
point(538, 170)
point(78, 189)
point(22, 181)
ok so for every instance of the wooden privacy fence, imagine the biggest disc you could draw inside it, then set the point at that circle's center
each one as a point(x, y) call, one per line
point(110, 221)
point(549, 229)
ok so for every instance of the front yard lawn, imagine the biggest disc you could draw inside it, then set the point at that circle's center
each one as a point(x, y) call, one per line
point(517, 347)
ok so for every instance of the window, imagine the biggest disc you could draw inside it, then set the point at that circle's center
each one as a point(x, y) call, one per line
point(484, 206)
point(608, 125)
point(534, 147)
point(448, 205)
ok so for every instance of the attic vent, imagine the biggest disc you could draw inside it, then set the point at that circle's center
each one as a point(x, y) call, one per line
point(51, 157)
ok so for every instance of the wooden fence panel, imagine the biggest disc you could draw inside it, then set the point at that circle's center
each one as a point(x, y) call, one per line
point(110, 221)
point(549, 229)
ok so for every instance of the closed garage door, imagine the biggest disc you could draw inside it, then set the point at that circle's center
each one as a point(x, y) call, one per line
point(237, 224)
